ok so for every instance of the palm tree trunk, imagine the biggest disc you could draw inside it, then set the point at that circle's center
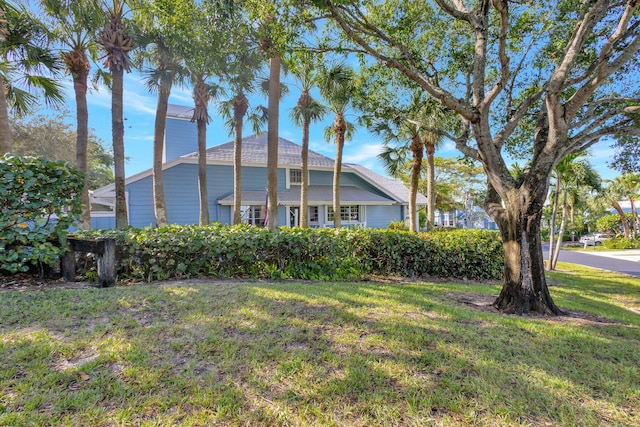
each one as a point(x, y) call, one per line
point(272, 141)
point(202, 171)
point(201, 117)
point(634, 217)
point(5, 130)
point(552, 222)
point(431, 184)
point(623, 219)
point(553, 260)
point(304, 187)
point(240, 106)
point(82, 141)
point(416, 167)
point(239, 110)
point(117, 131)
point(340, 128)
point(159, 205)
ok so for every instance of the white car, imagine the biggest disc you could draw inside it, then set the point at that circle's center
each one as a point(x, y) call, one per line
point(595, 239)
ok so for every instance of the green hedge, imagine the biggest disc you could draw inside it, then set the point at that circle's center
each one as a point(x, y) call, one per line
point(621, 243)
point(39, 200)
point(220, 251)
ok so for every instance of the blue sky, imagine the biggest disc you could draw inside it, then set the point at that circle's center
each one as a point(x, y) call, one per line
point(139, 112)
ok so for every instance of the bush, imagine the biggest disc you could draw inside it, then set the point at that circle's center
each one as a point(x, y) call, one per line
point(398, 225)
point(221, 251)
point(39, 200)
point(621, 243)
point(612, 222)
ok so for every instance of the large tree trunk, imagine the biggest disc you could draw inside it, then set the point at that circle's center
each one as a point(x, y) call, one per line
point(159, 206)
point(117, 131)
point(304, 187)
point(431, 185)
point(339, 129)
point(417, 149)
point(80, 76)
point(524, 288)
point(272, 141)
point(240, 107)
point(5, 130)
point(201, 123)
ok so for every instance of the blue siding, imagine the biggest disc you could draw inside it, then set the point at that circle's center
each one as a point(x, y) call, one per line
point(348, 178)
point(355, 180)
point(103, 222)
point(181, 137)
point(381, 216)
point(141, 203)
point(321, 177)
point(181, 195)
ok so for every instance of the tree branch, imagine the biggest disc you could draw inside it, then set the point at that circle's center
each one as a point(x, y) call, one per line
point(502, 7)
point(605, 68)
point(410, 70)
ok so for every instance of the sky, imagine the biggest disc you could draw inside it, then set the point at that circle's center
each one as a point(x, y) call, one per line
point(139, 113)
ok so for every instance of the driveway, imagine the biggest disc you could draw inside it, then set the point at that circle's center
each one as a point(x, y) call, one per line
point(626, 261)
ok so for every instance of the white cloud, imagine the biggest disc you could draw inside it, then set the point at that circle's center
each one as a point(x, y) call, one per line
point(322, 147)
point(181, 96)
point(362, 153)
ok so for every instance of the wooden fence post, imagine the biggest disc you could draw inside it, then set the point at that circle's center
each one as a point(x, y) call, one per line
point(107, 264)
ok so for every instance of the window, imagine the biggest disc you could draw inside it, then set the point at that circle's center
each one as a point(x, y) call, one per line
point(347, 213)
point(253, 215)
point(314, 216)
point(295, 176)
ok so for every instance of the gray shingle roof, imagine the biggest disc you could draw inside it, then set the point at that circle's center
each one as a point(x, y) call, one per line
point(254, 151)
point(390, 186)
point(318, 194)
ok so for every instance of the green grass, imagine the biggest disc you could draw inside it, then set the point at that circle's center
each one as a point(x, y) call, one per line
point(326, 354)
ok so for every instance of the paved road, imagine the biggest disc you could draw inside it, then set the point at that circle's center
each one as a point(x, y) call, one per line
point(602, 261)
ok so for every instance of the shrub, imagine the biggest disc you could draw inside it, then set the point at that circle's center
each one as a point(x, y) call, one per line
point(612, 222)
point(221, 251)
point(40, 200)
point(398, 225)
point(621, 243)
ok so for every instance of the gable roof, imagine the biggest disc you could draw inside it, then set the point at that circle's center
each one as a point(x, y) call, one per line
point(390, 186)
point(254, 151)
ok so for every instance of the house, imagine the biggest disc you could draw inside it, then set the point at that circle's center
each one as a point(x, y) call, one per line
point(367, 198)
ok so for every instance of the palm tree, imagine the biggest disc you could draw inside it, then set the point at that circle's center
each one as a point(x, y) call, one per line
point(117, 44)
point(26, 64)
point(631, 181)
point(337, 88)
point(75, 25)
point(306, 111)
point(572, 175)
point(417, 124)
point(611, 196)
point(236, 110)
point(163, 72)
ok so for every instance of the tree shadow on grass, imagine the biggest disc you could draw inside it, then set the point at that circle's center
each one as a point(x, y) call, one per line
point(303, 353)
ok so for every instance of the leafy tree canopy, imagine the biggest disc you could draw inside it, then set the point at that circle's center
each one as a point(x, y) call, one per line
point(53, 137)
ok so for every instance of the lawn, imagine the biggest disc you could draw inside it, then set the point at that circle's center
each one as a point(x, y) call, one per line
point(328, 354)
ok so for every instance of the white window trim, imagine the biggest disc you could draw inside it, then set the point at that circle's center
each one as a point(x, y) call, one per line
point(362, 211)
point(288, 183)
